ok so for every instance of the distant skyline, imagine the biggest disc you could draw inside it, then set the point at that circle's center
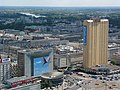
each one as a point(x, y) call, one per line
point(60, 3)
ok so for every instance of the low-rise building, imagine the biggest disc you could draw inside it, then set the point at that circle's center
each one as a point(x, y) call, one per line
point(100, 85)
point(67, 55)
point(116, 58)
point(23, 83)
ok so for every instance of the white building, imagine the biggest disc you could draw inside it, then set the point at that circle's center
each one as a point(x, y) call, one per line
point(5, 66)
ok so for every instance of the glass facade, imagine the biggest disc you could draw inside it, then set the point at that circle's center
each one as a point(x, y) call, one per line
point(85, 36)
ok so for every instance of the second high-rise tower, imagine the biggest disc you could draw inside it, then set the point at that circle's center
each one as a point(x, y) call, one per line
point(95, 42)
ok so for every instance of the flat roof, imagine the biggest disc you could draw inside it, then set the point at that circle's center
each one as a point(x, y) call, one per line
point(104, 20)
point(34, 50)
point(52, 75)
point(106, 66)
point(97, 84)
point(116, 54)
point(89, 20)
point(15, 79)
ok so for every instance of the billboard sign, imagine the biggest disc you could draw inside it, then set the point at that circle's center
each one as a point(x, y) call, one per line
point(41, 65)
point(5, 60)
point(0, 60)
point(85, 36)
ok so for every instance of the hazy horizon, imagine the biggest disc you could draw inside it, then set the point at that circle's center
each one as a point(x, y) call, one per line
point(65, 6)
point(62, 3)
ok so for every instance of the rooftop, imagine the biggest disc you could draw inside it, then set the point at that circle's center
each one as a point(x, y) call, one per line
point(102, 20)
point(52, 75)
point(101, 85)
point(89, 20)
point(110, 67)
point(116, 54)
point(33, 50)
point(15, 79)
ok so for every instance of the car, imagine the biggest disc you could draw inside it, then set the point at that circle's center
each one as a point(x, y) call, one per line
point(80, 74)
point(100, 78)
point(111, 79)
point(103, 81)
point(108, 79)
point(95, 77)
point(104, 78)
point(79, 82)
point(76, 72)
point(68, 72)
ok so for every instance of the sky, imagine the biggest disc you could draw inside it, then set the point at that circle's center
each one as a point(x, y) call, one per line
point(66, 3)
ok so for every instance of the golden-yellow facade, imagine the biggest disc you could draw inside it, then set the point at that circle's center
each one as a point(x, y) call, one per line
point(96, 46)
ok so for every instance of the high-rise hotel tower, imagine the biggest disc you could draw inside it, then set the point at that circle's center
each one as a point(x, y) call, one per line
point(95, 42)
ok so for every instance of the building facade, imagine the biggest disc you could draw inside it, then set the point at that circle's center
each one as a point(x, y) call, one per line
point(5, 69)
point(35, 62)
point(95, 42)
point(65, 60)
point(23, 83)
point(116, 58)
